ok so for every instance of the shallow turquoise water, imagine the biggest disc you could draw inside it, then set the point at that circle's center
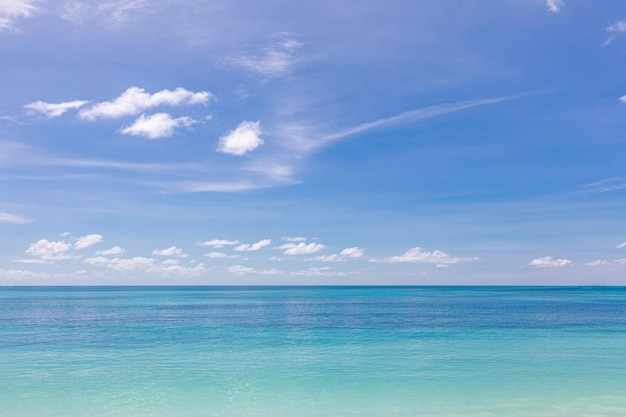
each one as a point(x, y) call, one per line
point(315, 351)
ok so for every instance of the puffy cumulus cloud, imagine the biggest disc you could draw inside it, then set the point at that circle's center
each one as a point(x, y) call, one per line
point(621, 245)
point(246, 247)
point(51, 110)
point(245, 138)
point(344, 255)
point(171, 251)
point(555, 6)
point(549, 262)
point(48, 250)
point(15, 9)
point(218, 243)
point(275, 60)
point(157, 126)
point(115, 250)
point(418, 255)
point(615, 30)
point(301, 248)
point(244, 270)
point(12, 218)
point(87, 241)
point(136, 100)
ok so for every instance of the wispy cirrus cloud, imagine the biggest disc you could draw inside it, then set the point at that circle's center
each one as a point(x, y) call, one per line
point(415, 115)
point(274, 60)
point(111, 12)
point(605, 262)
point(621, 245)
point(12, 218)
point(614, 30)
point(549, 262)
point(10, 10)
point(555, 6)
point(51, 110)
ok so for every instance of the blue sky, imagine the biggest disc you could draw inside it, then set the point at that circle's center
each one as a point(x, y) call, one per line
point(280, 142)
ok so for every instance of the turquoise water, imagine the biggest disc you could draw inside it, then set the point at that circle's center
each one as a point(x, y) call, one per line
point(313, 351)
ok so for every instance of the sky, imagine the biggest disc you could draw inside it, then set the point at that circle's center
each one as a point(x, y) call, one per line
point(228, 142)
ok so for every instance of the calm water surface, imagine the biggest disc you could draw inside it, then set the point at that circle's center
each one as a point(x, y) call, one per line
point(313, 351)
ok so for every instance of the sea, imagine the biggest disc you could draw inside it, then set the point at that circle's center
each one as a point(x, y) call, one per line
point(312, 351)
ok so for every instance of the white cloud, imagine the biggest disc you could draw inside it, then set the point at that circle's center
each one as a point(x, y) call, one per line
point(157, 126)
point(243, 270)
point(354, 252)
point(217, 255)
point(614, 31)
point(135, 100)
point(241, 140)
point(343, 256)
point(48, 250)
point(97, 260)
point(110, 12)
point(301, 248)
point(126, 264)
point(621, 245)
point(549, 262)
point(172, 267)
point(115, 250)
point(12, 218)
point(419, 256)
point(274, 61)
point(50, 110)
point(22, 274)
point(295, 239)
point(254, 246)
point(218, 243)
point(171, 251)
point(15, 9)
point(604, 262)
point(414, 115)
point(555, 5)
point(319, 272)
point(166, 267)
point(240, 270)
point(31, 261)
point(87, 241)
